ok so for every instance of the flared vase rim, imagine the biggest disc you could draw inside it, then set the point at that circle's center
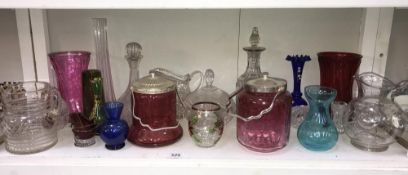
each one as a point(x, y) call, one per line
point(327, 90)
point(113, 104)
point(339, 54)
point(215, 106)
point(69, 53)
point(385, 87)
point(92, 71)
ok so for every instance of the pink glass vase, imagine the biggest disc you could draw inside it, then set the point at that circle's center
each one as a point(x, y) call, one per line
point(68, 68)
point(337, 70)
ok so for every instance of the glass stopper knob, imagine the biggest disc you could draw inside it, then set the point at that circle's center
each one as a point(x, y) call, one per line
point(133, 49)
point(254, 39)
point(209, 77)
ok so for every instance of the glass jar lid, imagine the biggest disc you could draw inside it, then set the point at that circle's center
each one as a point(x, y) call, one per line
point(266, 84)
point(153, 84)
point(209, 93)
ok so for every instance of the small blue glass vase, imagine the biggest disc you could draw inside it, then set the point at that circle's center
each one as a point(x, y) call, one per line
point(114, 131)
point(318, 132)
point(299, 105)
point(298, 62)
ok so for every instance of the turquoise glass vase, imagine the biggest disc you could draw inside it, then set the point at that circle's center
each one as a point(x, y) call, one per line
point(318, 132)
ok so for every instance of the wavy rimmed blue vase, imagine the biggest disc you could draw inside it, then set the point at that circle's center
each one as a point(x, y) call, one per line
point(114, 131)
point(318, 131)
point(299, 105)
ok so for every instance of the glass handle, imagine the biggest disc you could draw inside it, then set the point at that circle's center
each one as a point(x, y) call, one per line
point(59, 110)
point(260, 114)
point(147, 125)
point(200, 74)
point(168, 73)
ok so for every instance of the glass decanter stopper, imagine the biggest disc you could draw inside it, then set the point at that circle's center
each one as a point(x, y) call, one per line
point(253, 69)
point(133, 57)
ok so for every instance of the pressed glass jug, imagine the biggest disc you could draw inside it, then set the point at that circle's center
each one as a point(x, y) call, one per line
point(318, 132)
point(374, 121)
point(182, 84)
point(32, 116)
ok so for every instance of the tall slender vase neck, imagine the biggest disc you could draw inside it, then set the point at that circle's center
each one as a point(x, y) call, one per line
point(134, 70)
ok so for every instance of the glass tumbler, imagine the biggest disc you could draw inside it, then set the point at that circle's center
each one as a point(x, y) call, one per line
point(205, 124)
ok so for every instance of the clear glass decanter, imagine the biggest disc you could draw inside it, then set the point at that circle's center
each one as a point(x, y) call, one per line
point(253, 69)
point(133, 57)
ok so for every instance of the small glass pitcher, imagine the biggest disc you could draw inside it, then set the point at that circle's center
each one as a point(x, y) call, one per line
point(182, 84)
point(33, 112)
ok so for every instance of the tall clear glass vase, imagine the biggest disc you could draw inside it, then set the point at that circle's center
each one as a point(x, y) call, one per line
point(102, 56)
point(133, 57)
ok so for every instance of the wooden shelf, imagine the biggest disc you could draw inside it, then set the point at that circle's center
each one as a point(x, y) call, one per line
point(228, 156)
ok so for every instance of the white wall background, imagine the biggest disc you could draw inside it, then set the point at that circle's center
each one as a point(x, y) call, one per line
point(397, 62)
point(186, 40)
point(10, 62)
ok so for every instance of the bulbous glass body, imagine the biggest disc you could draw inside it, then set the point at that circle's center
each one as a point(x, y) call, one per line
point(154, 112)
point(318, 131)
point(271, 131)
point(114, 131)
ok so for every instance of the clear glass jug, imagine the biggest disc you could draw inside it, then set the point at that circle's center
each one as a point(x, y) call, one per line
point(33, 112)
point(374, 121)
point(182, 85)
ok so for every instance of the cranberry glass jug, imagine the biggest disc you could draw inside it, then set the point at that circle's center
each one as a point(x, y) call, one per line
point(264, 108)
point(154, 112)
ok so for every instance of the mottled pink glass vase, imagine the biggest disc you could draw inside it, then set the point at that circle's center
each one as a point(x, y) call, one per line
point(68, 68)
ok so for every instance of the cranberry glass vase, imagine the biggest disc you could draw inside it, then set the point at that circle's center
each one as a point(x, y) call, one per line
point(337, 70)
point(270, 131)
point(68, 68)
point(154, 112)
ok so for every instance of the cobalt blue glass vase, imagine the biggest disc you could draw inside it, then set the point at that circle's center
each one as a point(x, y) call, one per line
point(298, 63)
point(318, 132)
point(299, 105)
point(114, 131)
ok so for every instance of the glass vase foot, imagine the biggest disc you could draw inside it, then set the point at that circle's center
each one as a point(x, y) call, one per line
point(84, 142)
point(369, 148)
point(115, 147)
point(298, 115)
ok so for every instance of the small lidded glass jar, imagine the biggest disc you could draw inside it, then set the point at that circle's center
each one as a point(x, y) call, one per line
point(154, 112)
point(265, 107)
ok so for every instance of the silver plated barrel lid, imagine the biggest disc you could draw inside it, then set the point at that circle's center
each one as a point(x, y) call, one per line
point(153, 84)
point(266, 84)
